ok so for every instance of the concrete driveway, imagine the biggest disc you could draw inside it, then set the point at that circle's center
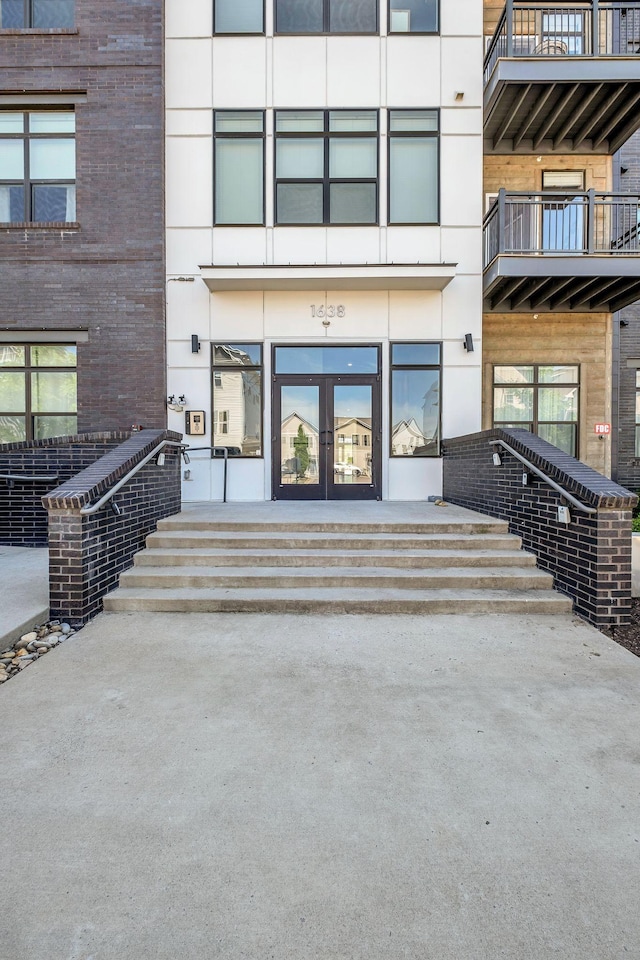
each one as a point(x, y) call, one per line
point(322, 788)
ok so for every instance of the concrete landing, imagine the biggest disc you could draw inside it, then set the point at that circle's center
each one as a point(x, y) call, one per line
point(322, 788)
point(24, 590)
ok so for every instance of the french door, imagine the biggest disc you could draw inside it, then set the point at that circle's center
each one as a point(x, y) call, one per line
point(326, 437)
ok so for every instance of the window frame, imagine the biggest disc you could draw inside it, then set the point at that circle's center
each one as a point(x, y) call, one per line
point(28, 369)
point(28, 182)
point(237, 368)
point(252, 135)
point(426, 134)
point(253, 33)
point(415, 33)
point(28, 22)
point(326, 181)
point(325, 32)
point(536, 385)
point(415, 366)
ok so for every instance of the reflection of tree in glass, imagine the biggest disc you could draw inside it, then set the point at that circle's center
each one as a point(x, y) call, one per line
point(301, 447)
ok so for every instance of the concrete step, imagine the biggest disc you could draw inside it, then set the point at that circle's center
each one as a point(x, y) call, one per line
point(180, 540)
point(410, 559)
point(299, 578)
point(180, 522)
point(336, 600)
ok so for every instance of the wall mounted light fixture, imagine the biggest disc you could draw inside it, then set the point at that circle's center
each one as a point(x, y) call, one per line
point(195, 343)
point(468, 342)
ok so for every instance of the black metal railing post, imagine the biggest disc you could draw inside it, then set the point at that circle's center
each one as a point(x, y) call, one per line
point(595, 28)
point(502, 218)
point(591, 221)
point(509, 27)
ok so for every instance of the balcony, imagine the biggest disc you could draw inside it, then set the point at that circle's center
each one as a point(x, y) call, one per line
point(563, 77)
point(577, 252)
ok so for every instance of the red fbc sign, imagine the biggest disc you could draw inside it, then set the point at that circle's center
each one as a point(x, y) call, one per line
point(604, 429)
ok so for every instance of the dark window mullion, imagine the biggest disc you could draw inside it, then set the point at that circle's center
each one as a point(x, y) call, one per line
point(325, 16)
point(27, 171)
point(29, 415)
point(326, 198)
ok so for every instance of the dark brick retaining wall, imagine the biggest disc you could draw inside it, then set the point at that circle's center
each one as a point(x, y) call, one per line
point(590, 558)
point(23, 519)
point(88, 553)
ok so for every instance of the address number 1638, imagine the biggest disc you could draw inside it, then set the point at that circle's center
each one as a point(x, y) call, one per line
point(329, 311)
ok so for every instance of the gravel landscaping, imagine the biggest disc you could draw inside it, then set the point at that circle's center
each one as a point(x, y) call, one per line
point(628, 635)
point(31, 646)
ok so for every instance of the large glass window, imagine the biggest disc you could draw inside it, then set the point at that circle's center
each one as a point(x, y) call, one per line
point(38, 391)
point(542, 398)
point(326, 16)
point(327, 166)
point(44, 14)
point(239, 167)
point(238, 16)
point(37, 167)
point(237, 398)
point(413, 166)
point(413, 16)
point(415, 399)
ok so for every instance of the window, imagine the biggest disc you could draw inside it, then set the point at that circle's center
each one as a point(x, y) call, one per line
point(413, 16)
point(239, 167)
point(326, 166)
point(37, 167)
point(38, 390)
point(415, 399)
point(539, 398)
point(326, 16)
point(238, 16)
point(44, 14)
point(413, 166)
point(237, 397)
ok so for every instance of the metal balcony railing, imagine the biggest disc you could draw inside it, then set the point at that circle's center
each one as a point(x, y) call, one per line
point(591, 28)
point(562, 224)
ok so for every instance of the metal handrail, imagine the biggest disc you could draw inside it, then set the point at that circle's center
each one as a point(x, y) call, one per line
point(561, 222)
point(556, 486)
point(225, 455)
point(88, 511)
point(24, 478)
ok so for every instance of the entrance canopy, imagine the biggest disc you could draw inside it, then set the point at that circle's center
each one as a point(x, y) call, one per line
point(388, 276)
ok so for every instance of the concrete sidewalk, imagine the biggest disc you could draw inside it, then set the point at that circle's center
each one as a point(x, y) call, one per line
point(24, 590)
point(322, 788)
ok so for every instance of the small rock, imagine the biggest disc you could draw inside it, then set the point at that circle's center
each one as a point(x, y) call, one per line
point(24, 663)
point(7, 653)
point(65, 627)
point(54, 641)
point(6, 660)
point(27, 638)
point(3, 677)
point(21, 652)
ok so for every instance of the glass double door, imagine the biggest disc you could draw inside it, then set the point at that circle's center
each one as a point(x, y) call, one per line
point(326, 438)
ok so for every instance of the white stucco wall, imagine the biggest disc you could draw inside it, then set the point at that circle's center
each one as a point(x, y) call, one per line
point(204, 73)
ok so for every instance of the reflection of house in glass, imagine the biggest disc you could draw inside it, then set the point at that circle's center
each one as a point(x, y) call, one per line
point(352, 442)
point(236, 402)
point(299, 443)
point(407, 438)
point(431, 419)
